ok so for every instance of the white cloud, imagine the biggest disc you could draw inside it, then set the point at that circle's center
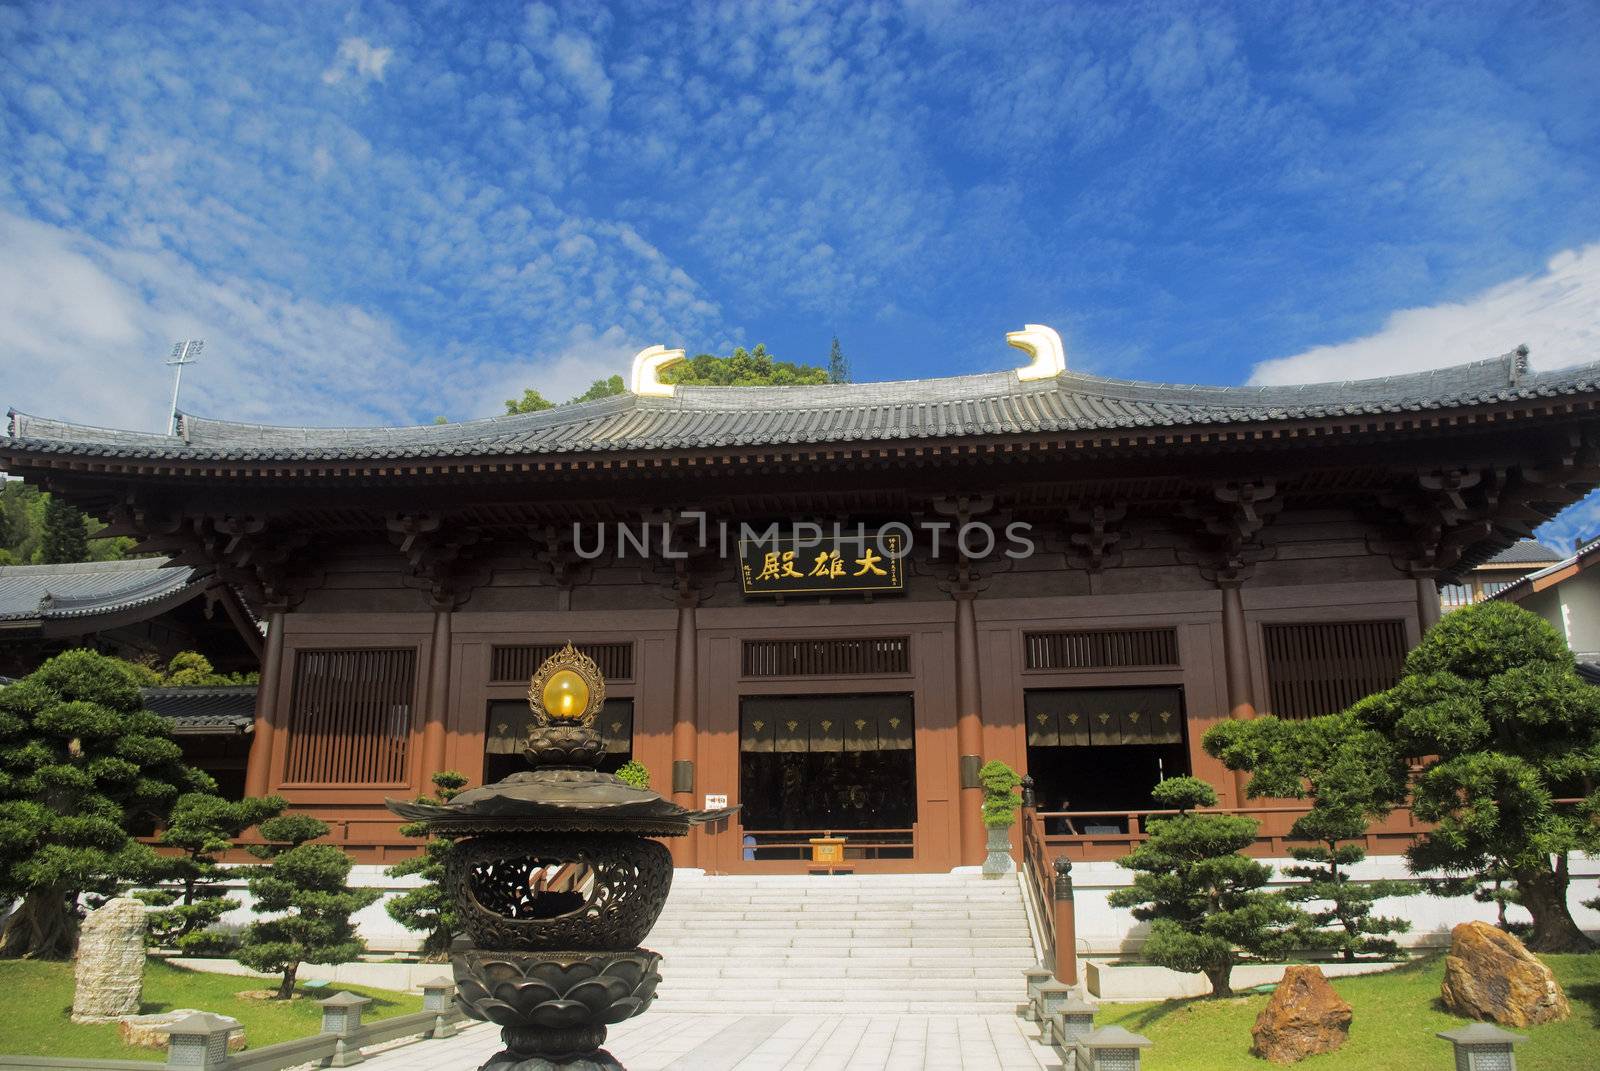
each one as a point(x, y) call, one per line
point(359, 57)
point(85, 327)
point(1556, 313)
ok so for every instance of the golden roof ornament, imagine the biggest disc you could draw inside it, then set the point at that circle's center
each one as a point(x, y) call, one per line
point(567, 689)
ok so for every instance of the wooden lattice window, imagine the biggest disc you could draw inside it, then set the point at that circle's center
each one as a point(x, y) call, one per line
point(1315, 669)
point(827, 658)
point(350, 719)
point(520, 663)
point(1102, 649)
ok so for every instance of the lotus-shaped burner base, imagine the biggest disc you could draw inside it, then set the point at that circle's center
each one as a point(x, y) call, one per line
point(553, 1007)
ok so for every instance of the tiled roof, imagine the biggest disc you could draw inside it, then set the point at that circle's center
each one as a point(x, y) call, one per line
point(229, 709)
point(1526, 552)
point(718, 417)
point(88, 589)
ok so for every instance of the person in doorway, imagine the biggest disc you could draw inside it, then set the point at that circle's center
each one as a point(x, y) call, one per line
point(1063, 825)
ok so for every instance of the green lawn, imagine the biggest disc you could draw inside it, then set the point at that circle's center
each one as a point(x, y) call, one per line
point(39, 999)
point(1396, 1017)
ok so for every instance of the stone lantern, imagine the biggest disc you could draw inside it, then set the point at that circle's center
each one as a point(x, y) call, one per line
point(1484, 1047)
point(556, 881)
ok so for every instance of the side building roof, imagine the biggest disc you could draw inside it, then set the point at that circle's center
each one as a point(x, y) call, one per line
point(957, 407)
point(1526, 552)
point(225, 710)
point(73, 598)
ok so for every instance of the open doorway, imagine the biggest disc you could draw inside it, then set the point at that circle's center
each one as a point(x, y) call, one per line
point(827, 763)
point(1102, 749)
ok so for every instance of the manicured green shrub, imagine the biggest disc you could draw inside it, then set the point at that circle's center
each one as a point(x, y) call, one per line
point(1204, 901)
point(633, 773)
point(200, 827)
point(1000, 800)
point(1349, 770)
point(82, 763)
point(305, 884)
point(1492, 695)
point(428, 908)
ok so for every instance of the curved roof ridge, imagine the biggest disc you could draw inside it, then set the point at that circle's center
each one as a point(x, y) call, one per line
point(989, 403)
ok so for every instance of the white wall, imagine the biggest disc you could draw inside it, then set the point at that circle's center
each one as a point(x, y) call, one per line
point(1573, 607)
point(1102, 929)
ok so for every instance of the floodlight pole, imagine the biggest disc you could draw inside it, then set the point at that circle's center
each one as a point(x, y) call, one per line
point(182, 353)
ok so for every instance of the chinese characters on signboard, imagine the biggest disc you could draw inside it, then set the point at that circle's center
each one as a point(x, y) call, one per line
point(822, 567)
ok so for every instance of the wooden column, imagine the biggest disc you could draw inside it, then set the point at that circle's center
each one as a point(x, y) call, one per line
point(436, 717)
point(1236, 655)
point(685, 701)
point(1428, 609)
point(256, 780)
point(969, 729)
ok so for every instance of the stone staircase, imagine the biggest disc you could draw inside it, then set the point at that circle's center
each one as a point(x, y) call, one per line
point(859, 944)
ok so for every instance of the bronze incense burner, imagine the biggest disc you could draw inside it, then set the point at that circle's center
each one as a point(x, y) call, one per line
point(556, 881)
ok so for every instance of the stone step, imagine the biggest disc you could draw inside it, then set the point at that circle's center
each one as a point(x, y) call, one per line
point(789, 1006)
point(867, 944)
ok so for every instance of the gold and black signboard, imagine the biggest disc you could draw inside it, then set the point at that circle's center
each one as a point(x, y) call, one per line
point(828, 565)
point(1079, 717)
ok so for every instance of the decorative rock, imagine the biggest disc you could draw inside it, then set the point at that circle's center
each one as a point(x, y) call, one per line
point(1304, 1017)
point(150, 1031)
point(110, 970)
point(1490, 975)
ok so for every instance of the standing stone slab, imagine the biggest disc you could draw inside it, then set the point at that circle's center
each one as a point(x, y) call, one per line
point(1490, 975)
point(110, 971)
point(1304, 1017)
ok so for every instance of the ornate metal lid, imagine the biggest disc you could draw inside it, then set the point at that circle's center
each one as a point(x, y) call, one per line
point(557, 800)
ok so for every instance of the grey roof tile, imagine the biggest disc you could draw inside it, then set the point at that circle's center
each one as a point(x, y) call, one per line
point(1526, 552)
point(712, 417)
point(224, 709)
point(86, 589)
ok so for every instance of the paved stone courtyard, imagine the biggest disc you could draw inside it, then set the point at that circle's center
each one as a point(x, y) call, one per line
point(662, 1042)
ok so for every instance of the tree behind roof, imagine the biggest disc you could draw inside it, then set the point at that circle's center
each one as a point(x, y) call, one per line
point(187, 669)
point(742, 368)
point(1353, 775)
point(81, 763)
point(307, 885)
point(200, 827)
point(1204, 901)
point(838, 364)
point(66, 533)
point(1492, 694)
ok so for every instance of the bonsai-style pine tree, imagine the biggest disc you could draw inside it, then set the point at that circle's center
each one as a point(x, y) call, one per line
point(428, 907)
point(1204, 901)
point(1351, 772)
point(306, 884)
point(1492, 695)
point(200, 827)
point(81, 763)
point(1000, 800)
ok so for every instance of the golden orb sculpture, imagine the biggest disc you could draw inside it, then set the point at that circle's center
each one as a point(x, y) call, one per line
point(567, 689)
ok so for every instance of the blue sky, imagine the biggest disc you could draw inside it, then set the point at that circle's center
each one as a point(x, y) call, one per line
point(375, 213)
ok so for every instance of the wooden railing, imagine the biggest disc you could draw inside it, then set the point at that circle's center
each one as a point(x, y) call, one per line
point(859, 843)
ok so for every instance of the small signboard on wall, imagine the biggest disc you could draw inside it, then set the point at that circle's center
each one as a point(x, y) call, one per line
point(716, 802)
point(825, 566)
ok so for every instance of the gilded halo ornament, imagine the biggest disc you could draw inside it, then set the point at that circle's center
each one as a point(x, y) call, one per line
point(567, 689)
